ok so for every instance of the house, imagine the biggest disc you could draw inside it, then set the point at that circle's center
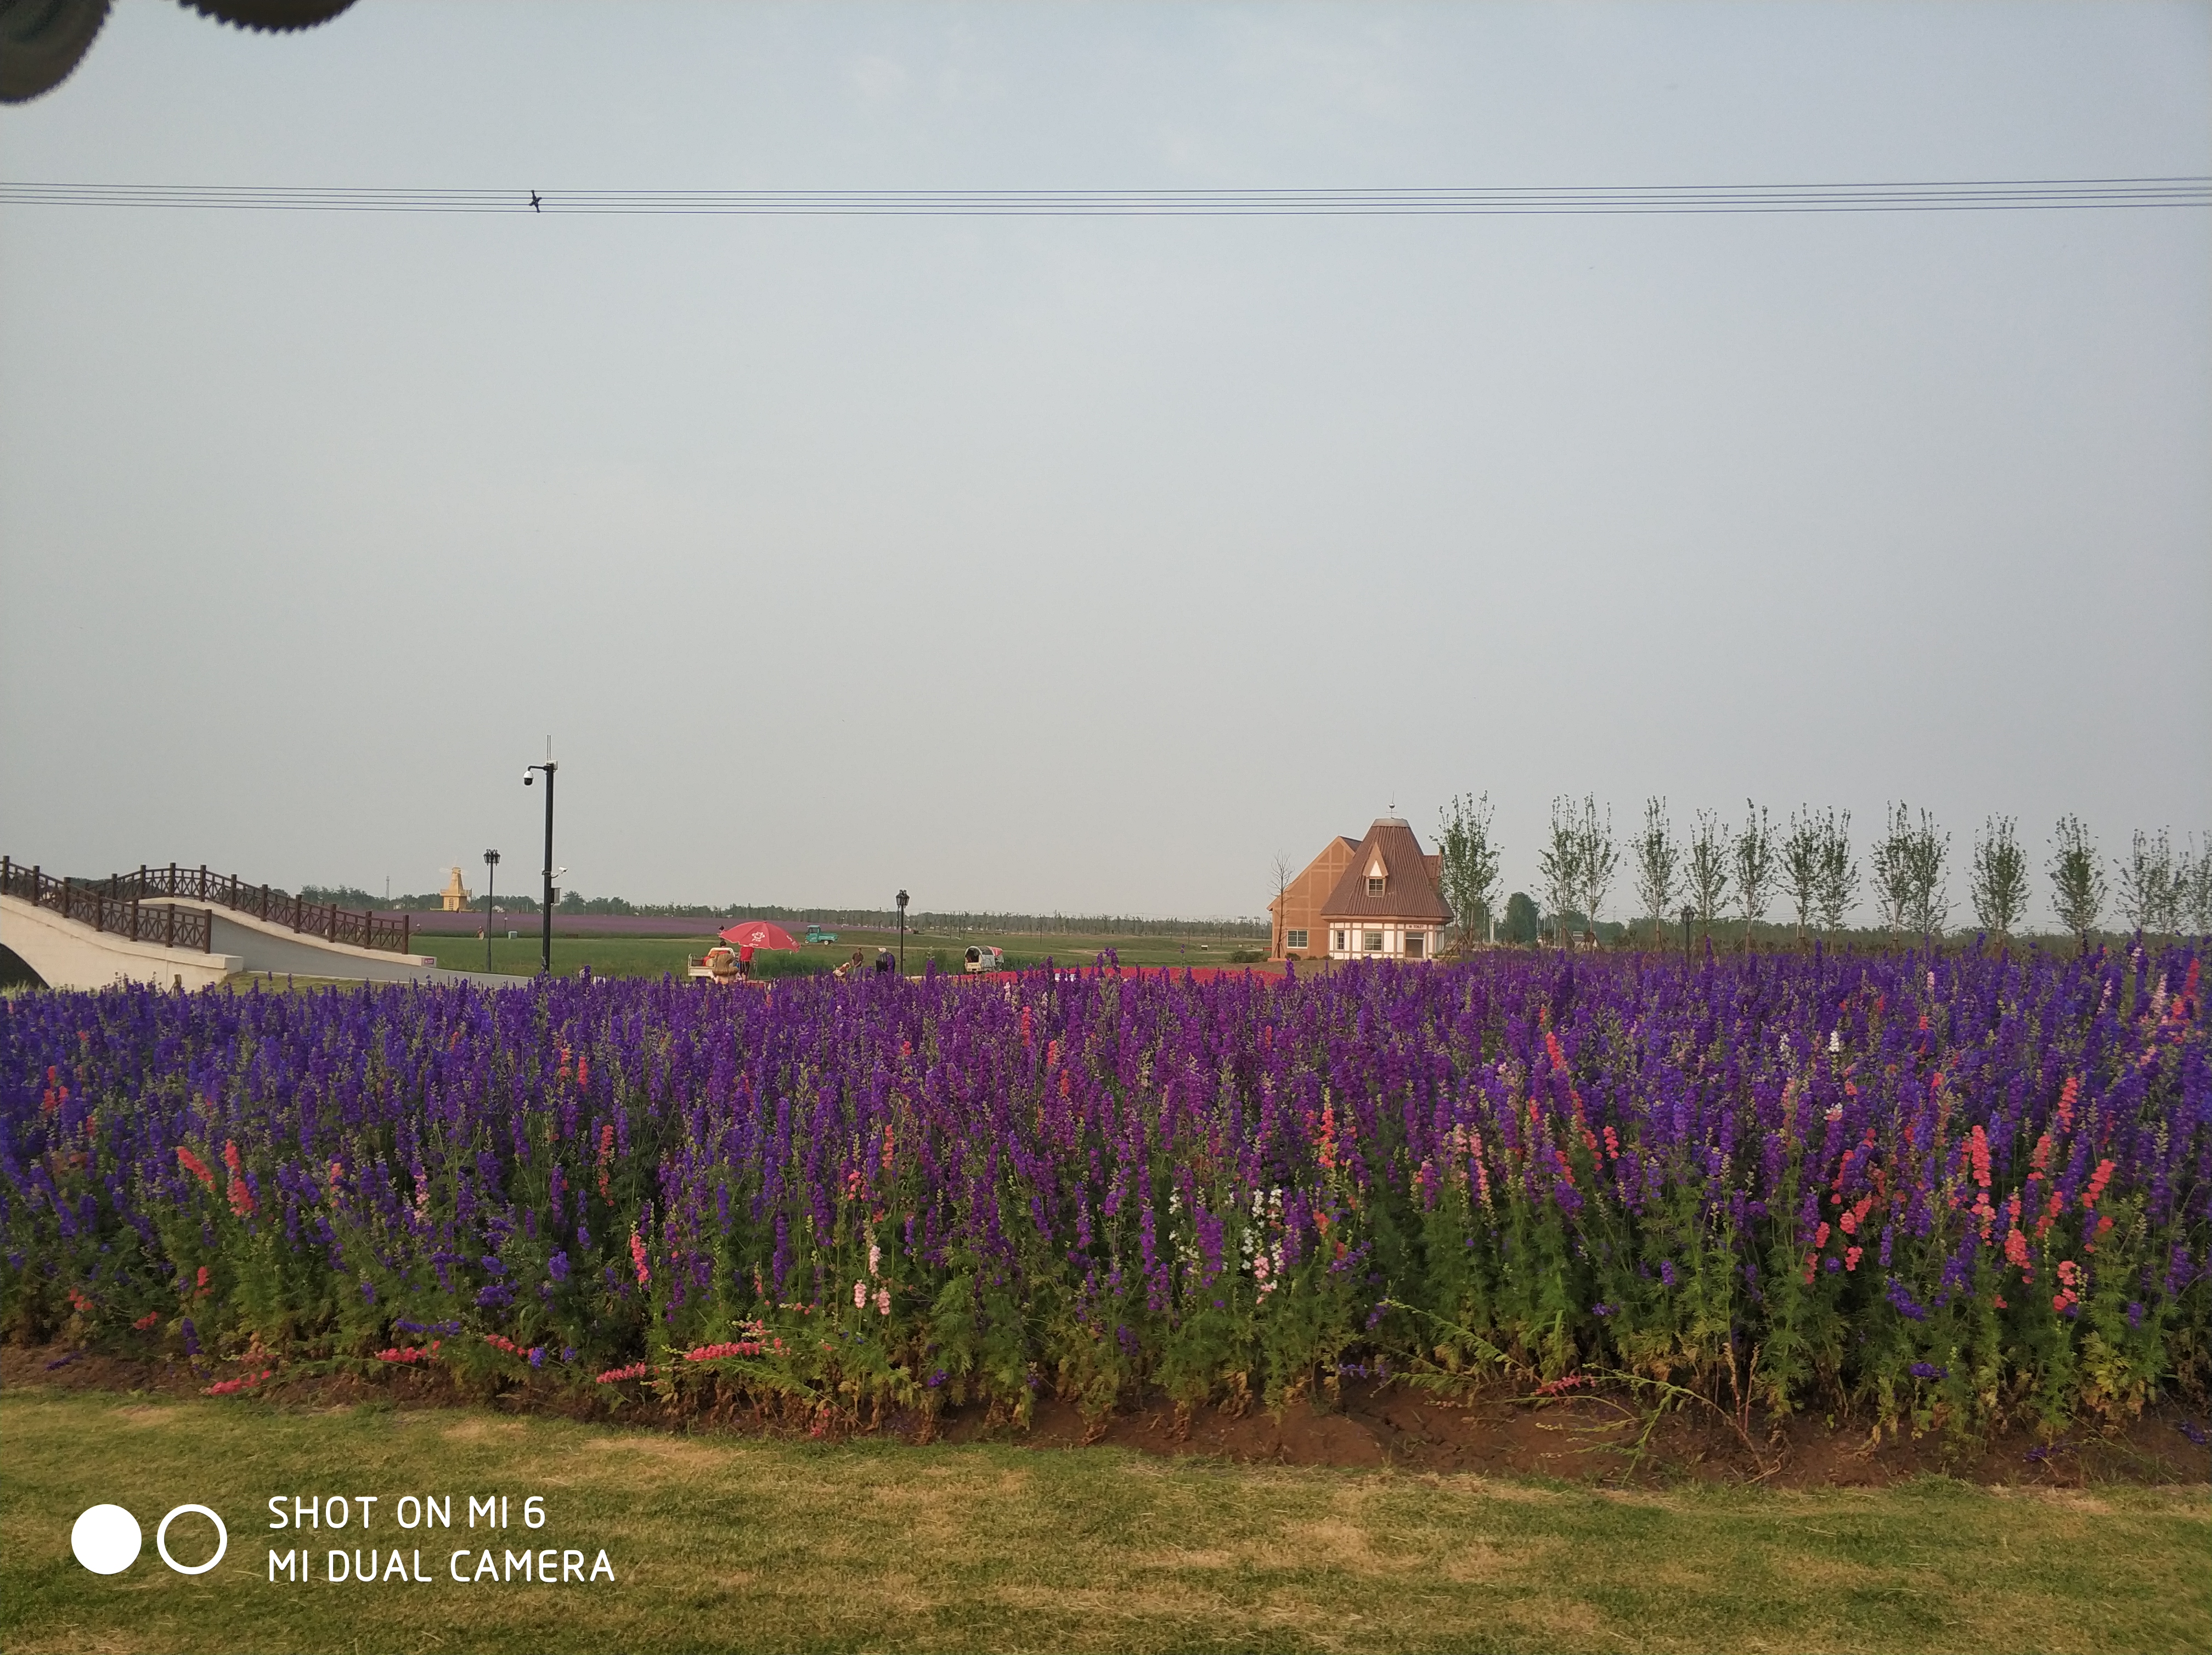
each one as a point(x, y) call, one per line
point(1370, 898)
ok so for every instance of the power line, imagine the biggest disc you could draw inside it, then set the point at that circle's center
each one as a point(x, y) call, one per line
point(2000, 195)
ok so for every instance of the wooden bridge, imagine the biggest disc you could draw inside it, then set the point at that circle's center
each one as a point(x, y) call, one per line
point(178, 925)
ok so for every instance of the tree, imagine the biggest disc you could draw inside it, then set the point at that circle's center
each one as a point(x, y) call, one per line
point(1926, 854)
point(1801, 867)
point(2000, 881)
point(1892, 876)
point(2194, 881)
point(1470, 858)
point(2077, 882)
point(2148, 895)
point(1817, 869)
point(1838, 870)
point(1560, 863)
point(1522, 921)
point(1658, 867)
point(1708, 870)
point(1753, 853)
point(1597, 860)
point(1908, 875)
point(1280, 865)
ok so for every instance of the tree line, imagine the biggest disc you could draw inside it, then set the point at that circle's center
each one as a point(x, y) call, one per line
point(1240, 928)
point(1808, 867)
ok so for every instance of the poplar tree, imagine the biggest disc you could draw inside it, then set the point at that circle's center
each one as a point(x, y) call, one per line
point(1708, 869)
point(2077, 882)
point(1560, 863)
point(2000, 878)
point(2148, 896)
point(1908, 875)
point(2196, 885)
point(1470, 858)
point(1754, 867)
point(1597, 859)
point(1801, 849)
point(1658, 867)
point(1839, 871)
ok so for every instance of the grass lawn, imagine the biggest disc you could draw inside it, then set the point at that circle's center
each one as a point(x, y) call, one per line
point(651, 956)
point(728, 1542)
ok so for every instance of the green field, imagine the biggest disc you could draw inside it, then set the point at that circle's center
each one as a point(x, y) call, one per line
point(728, 1542)
point(651, 956)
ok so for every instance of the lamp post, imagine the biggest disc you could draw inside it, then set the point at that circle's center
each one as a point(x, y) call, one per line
point(548, 767)
point(1688, 914)
point(902, 907)
point(491, 879)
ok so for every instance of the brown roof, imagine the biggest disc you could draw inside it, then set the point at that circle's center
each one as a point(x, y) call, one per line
point(1411, 891)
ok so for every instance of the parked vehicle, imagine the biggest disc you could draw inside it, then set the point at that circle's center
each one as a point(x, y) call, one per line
point(982, 957)
point(816, 934)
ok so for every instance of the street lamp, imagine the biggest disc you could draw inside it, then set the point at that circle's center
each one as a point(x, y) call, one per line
point(1688, 914)
point(902, 907)
point(491, 879)
point(548, 767)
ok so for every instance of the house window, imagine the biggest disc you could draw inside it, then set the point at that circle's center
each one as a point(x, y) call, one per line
point(1413, 941)
point(1374, 887)
point(1294, 938)
point(1373, 942)
point(1336, 941)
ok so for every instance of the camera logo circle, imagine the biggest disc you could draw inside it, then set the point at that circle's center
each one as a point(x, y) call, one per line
point(106, 1539)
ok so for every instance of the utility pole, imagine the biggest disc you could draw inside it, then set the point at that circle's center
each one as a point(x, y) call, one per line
point(902, 907)
point(548, 767)
point(491, 879)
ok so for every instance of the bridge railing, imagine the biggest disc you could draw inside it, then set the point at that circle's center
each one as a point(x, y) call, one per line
point(162, 887)
point(105, 910)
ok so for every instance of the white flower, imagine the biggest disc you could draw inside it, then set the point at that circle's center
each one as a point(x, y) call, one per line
point(1835, 1040)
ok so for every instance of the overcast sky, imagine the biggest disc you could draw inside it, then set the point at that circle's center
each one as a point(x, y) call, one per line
point(1085, 564)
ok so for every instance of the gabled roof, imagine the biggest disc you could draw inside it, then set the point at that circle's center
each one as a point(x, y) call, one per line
point(1342, 845)
point(1411, 892)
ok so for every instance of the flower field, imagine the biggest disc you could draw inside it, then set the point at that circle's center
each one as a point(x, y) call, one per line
point(1954, 1190)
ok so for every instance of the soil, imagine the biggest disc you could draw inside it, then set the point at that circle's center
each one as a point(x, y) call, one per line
point(1590, 1437)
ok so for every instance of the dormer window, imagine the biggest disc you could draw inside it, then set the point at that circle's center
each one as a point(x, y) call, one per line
point(1374, 885)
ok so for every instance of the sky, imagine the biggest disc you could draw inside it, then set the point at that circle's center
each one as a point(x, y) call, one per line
point(1077, 564)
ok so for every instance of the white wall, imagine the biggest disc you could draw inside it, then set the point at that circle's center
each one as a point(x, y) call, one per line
point(68, 954)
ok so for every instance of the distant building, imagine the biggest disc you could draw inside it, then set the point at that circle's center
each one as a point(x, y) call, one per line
point(1370, 898)
point(455, 896)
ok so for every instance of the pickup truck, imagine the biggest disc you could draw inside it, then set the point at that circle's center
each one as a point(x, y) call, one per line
point(816, 934)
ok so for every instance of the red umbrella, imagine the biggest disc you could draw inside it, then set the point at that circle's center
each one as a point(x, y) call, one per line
point(757, 933)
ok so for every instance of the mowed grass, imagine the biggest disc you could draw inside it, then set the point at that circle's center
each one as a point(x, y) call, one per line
point(725, 1542)
point(651, 956)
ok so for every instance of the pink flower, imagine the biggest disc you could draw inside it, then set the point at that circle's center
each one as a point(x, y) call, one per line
point(859, 1294)
point(637, 1257)
point(882, 1301)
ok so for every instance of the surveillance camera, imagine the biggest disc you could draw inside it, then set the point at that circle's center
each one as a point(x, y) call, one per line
point(527, 778)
